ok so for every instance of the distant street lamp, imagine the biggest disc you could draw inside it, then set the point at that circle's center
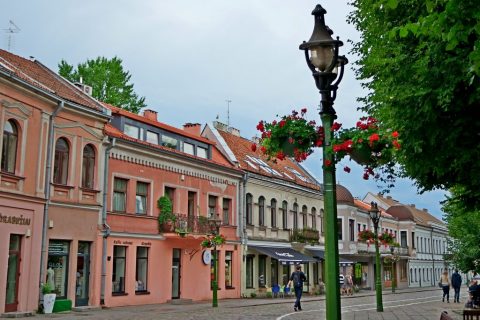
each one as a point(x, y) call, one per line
point(375, 216)
point(321, 54)
point(215, 223)
point(394, 259)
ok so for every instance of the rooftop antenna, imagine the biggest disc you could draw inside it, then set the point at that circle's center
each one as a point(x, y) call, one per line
point(228, 112)
point(12, 28)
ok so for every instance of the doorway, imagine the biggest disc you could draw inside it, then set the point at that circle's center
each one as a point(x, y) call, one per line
point(176, 274)
point(82, 274)
point(13, 273)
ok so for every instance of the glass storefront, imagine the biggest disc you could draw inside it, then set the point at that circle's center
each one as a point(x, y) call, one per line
point(57, 266)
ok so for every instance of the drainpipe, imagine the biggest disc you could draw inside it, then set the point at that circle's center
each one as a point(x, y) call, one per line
point(243, 221)
point(48, 177)
point(105, 226)
point(433, 257)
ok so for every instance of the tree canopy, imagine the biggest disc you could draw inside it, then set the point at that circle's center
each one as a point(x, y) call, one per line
point(110, 83)
point(463, 227)
point(420, 63)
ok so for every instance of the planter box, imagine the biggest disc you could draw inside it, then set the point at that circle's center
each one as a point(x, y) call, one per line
point(62, 305)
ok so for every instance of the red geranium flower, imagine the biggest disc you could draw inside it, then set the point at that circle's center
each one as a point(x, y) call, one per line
point(254, 147)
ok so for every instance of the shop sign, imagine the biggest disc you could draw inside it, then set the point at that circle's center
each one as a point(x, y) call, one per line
point(14, 220)
point(124, 242)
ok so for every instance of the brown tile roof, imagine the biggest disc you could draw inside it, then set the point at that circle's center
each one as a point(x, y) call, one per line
point(366, 207)
point(420, 217)
point(38, 75)
point(241, 148)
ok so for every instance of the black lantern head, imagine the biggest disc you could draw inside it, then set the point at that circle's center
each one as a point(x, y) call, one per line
point(321, 51)
point(374, 213)
point(214, 222)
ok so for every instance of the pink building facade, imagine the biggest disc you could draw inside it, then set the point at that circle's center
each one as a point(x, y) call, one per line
point(147, 160)
point(52, 132)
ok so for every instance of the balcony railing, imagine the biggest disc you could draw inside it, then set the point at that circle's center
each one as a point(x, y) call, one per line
point(191, 224)
point(305, 235)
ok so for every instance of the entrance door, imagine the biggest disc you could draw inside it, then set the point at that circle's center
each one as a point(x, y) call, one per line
point(176, 275)
point(82, 274)
point(13, 273)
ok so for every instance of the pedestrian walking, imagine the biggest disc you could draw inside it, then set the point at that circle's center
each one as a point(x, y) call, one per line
point(456, 284)
point(296, 279)
point(444, 283)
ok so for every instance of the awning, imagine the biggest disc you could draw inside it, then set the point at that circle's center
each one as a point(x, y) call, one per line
point(320, 255)
point(284, 255)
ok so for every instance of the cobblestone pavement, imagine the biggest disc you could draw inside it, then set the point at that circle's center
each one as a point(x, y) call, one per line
point(406, 304)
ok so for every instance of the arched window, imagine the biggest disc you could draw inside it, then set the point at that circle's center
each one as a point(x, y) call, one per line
point(9, 147)
point(60, 167)
point(285, 215)
point(273, 213)
point(261, 211)
point(321, 220)
point(304, 216)
point(295, 216)
point(88, 166)
point(249, 209)
point(314, 218)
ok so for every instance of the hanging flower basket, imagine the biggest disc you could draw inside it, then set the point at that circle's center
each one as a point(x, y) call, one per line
point(292, 136)
point(368, 143)
point(211, 241)
point(366, 235)
point(386, 238)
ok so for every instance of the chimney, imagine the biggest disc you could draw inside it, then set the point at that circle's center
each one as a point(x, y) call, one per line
point(193, 128)
point(389, 197)
point(84, 88)
point(412, 205)
point(234, 131)
point(220, 126)
point(256, 140)
point(150, 114)
point(425, 209)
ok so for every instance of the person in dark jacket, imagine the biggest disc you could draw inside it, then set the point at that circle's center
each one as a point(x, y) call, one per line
point(456, 284)
point(296, 279)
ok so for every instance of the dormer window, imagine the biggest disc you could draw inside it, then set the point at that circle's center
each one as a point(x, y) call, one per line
point(202, 152)
point(131, 131)
point(188, 148)
point(152, 137)
point(169, 142)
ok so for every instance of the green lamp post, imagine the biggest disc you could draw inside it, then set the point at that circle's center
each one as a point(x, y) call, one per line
point(215, 224)
point(394, 265)
point(375, 216)
point(321, 54)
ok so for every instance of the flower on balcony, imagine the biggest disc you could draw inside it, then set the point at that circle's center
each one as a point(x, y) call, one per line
point(213, 240)
point(366, 235)
point(386, 238)
point(293, 136)
point(391, 259)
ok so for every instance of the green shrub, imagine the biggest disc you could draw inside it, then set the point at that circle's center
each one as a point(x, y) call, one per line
point(269, 295)
point(253, 295)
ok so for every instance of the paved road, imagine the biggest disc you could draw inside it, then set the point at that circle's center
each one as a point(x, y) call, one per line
point(406, 304)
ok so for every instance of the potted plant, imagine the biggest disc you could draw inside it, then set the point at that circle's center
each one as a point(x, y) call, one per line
point(48, 298)
point(166, 218)
point(212, 240)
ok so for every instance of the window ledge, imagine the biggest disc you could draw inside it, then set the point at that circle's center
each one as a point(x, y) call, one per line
point(230, 288)
point(64, 186)
point(12, 176)
point(262, 228)
point(140, 293)
point(89, 190)
point(274, 229)
point(114, 294)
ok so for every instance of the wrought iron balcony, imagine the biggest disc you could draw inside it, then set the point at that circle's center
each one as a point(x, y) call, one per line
point(307, 235)
point(188, 224)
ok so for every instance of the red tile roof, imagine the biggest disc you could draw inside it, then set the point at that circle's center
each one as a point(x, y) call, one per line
point(241, 148)
point(112, 131)
point(38, 75)
point(161, 125)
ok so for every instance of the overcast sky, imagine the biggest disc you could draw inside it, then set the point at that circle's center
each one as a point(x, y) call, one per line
point(188, 57)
